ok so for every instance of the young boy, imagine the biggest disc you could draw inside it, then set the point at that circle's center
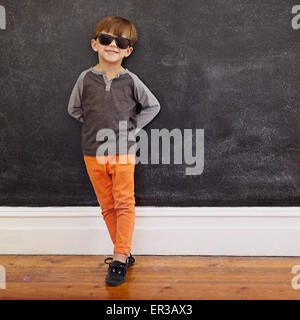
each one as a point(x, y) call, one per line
point(103, 96)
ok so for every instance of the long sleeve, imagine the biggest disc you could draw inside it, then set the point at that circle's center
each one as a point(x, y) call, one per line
point(150, 106)
point(74, 106)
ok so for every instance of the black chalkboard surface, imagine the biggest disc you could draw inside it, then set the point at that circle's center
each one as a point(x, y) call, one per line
point(228, 67)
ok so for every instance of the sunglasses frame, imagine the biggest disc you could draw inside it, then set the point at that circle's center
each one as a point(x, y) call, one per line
point(114, 38)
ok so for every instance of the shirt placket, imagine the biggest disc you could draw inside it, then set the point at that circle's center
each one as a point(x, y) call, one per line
point(109, 82)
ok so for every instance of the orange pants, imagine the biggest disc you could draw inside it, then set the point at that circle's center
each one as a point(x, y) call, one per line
point(113, 183)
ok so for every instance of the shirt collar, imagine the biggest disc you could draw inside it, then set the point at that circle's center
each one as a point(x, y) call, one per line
point(104, 72)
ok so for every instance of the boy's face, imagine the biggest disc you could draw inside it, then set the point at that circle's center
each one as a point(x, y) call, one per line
point(110, 53)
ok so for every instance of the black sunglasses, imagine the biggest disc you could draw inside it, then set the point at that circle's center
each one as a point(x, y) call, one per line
point(106, 39)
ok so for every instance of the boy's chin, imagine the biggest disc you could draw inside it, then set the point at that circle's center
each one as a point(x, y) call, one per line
point(112, 61)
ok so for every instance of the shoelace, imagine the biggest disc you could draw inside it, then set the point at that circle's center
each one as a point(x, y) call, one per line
point(105, 261)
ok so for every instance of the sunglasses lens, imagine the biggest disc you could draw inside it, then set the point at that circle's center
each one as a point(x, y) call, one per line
point(122, 43)
point(105, 39)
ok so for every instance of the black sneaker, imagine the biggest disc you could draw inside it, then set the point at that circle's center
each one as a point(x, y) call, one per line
point(116, 273)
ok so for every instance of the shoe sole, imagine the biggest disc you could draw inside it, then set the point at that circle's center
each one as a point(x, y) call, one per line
point(113, 284)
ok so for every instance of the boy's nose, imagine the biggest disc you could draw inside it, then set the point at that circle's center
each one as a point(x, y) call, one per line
point(114, 42)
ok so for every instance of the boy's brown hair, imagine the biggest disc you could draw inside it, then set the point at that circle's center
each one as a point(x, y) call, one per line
point(118, 26)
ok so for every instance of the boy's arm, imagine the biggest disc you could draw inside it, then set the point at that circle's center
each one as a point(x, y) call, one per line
point(147, 100)
point(74, 106)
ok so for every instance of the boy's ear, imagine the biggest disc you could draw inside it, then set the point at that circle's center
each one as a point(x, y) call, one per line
point(94, 45)
point(129, 50)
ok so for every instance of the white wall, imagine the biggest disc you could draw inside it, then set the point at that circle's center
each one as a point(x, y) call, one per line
point(236, 231)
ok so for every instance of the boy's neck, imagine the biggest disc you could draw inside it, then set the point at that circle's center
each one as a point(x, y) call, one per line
point(109, 68)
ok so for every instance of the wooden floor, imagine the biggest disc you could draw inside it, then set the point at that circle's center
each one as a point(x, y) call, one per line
point(152, 277)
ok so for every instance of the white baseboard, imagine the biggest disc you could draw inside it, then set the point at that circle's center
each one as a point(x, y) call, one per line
point(233, 231)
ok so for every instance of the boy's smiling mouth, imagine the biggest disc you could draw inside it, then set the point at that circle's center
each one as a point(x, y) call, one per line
point(111, 51)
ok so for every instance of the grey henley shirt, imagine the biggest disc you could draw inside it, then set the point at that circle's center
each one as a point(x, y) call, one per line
point(99, 103)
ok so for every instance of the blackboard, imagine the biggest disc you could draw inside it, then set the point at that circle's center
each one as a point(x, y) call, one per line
point(228, 67)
